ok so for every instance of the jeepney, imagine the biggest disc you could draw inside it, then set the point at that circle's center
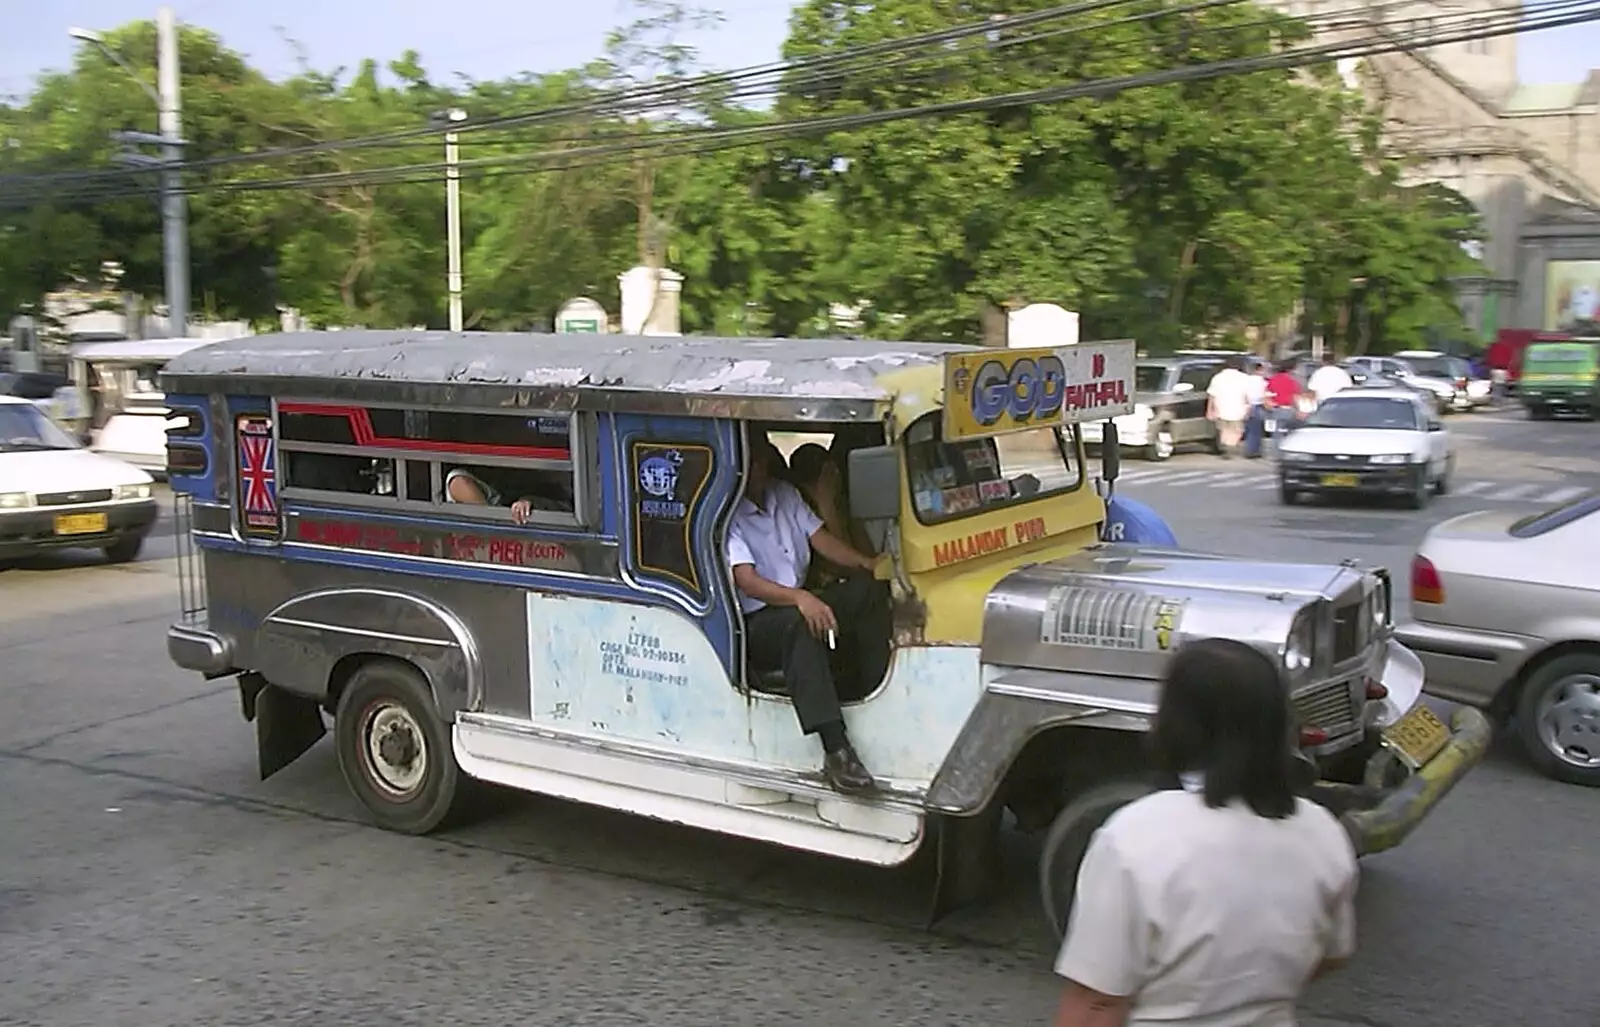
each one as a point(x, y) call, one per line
point(595, 652)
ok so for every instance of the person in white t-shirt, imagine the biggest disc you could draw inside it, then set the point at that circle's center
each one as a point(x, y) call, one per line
point(1228, 404)
point(1328, 379)
point(1217, 900)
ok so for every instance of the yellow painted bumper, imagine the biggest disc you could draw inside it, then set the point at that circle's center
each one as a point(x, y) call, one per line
point(1383, 818)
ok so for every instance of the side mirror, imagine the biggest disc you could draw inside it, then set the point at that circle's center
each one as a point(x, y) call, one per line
point(1110, 452)
point(875, 483)
point(1182, 387)
point(1435, 425)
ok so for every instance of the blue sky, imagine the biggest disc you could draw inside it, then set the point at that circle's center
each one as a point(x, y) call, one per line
point(489, 38)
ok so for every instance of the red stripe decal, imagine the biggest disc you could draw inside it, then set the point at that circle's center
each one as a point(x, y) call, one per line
point(361, 430)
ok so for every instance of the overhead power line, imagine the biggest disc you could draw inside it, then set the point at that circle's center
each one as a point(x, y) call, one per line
point(1444, 30)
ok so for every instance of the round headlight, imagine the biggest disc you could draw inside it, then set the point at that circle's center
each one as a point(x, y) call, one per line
point(1297, 650)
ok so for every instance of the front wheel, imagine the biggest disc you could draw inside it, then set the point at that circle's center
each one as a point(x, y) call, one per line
point(1558, 719)
point(125, 550)
point(1068, 842)
point(394, 749)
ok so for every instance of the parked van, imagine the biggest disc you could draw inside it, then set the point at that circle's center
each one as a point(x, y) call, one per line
point(1561, 377)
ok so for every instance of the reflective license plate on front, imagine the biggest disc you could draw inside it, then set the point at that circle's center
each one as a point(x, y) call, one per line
point(1417, 737)
point(1340, 481)
point(80, 524)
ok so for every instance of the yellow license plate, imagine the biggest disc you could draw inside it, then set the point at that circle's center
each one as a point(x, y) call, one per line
point(1417, 737)
point(81, 524)
point(1340, 481)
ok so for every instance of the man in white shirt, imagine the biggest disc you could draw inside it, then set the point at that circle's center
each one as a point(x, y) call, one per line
point(1228, 404)
point(1328, 379)
point(787, 627)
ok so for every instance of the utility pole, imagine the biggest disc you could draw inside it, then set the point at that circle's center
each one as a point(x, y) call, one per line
point(174, 206)
point(452, 214)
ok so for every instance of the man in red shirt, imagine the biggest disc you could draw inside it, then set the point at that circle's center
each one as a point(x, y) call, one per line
point(1283, 389)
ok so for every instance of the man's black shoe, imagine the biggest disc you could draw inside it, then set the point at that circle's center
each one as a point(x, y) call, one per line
point(845, 771)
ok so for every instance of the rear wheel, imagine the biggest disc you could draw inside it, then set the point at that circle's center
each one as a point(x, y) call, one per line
point(1558, 718)
point(1538, 413)
point(1442, 486)
point(394, 749)
point(1068, 842)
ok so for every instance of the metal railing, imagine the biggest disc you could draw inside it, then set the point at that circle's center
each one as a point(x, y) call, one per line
point(191, 569)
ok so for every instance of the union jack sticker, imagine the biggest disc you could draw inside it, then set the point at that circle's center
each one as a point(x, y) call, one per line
point(258, 476)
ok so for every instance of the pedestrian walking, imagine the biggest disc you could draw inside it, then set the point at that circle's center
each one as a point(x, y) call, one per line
point(1283, 402)
point(1217, 899)
point(1255, 425)
point(1328, 379)
point(1228, 405)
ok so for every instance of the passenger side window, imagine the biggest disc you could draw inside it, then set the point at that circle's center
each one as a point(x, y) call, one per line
point(1198, 375)
point(409, 457)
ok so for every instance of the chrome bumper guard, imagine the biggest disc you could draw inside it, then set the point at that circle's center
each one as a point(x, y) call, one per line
point(1378, 818)
point(198, 649)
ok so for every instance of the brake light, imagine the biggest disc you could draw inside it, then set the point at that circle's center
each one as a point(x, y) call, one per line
point(1312, 736)
point(1376, 690)
point(1425, 584)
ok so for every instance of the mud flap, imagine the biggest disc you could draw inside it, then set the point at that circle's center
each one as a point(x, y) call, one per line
point(968, 867)
point(286, 726)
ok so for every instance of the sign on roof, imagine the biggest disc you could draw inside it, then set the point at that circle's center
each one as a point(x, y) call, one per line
point(999, 391)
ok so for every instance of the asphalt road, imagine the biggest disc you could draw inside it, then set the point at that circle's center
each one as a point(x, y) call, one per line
point(147, 878)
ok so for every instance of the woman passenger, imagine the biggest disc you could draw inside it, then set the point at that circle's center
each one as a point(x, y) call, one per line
point(1218, 899)
point(813, 470)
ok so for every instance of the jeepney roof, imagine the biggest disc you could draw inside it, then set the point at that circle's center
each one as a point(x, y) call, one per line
point(801, 379)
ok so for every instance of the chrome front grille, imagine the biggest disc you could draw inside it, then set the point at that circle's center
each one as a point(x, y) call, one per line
point(1328, 706)
point(1350, 630)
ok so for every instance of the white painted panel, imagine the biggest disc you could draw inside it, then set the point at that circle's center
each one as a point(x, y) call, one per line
point(606, 669)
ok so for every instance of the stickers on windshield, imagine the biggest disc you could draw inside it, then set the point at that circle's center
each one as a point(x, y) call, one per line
point(979, 458)
point(1100, 618)
point(961, 499)
point(930, 501)
point(997, 491)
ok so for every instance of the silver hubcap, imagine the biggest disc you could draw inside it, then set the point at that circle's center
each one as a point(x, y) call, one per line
point(395, 748)
point(1568, 720)
point(1163, 444)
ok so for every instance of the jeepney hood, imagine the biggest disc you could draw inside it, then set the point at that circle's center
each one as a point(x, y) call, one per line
point(1120, 610)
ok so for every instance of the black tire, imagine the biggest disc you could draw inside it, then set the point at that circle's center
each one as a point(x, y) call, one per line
point(369, 702)
point(1561, 673)
point(1068, 841)
point(1538, 413)
point(125, 549)
point(1422, 492)
point(1442, 486)
point(1288, 494)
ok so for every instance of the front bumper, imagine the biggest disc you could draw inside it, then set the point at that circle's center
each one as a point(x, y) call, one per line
point(1132, 432)
point(1379, 818)
point(1378, 813)
point(1465, 665)
point(1558, 399)
point(31, 529)
point(1363, 479)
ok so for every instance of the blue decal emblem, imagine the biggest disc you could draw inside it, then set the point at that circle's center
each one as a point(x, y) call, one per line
point(658, 479)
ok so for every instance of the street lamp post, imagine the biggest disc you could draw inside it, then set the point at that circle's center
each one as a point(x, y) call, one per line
point(174, 206)
point(452, 209)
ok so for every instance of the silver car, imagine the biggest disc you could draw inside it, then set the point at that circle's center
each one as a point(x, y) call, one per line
point(1393, 369)
point(1505, 613)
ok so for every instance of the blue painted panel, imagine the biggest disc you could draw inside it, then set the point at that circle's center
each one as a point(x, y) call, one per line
point(200, 486)
point(712, 604)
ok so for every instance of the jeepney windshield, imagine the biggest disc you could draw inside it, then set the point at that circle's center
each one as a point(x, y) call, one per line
point(956, 479)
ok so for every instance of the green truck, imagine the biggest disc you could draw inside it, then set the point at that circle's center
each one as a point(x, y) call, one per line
point(1561, 376)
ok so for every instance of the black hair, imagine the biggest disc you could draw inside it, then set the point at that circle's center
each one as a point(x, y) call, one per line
point(806, 463)
point(1224, 714)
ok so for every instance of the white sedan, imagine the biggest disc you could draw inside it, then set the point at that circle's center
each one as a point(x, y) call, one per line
point(1374, 441)
point(55, 494)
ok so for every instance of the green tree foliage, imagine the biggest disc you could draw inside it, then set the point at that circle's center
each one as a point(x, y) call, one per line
point(1169, 213)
